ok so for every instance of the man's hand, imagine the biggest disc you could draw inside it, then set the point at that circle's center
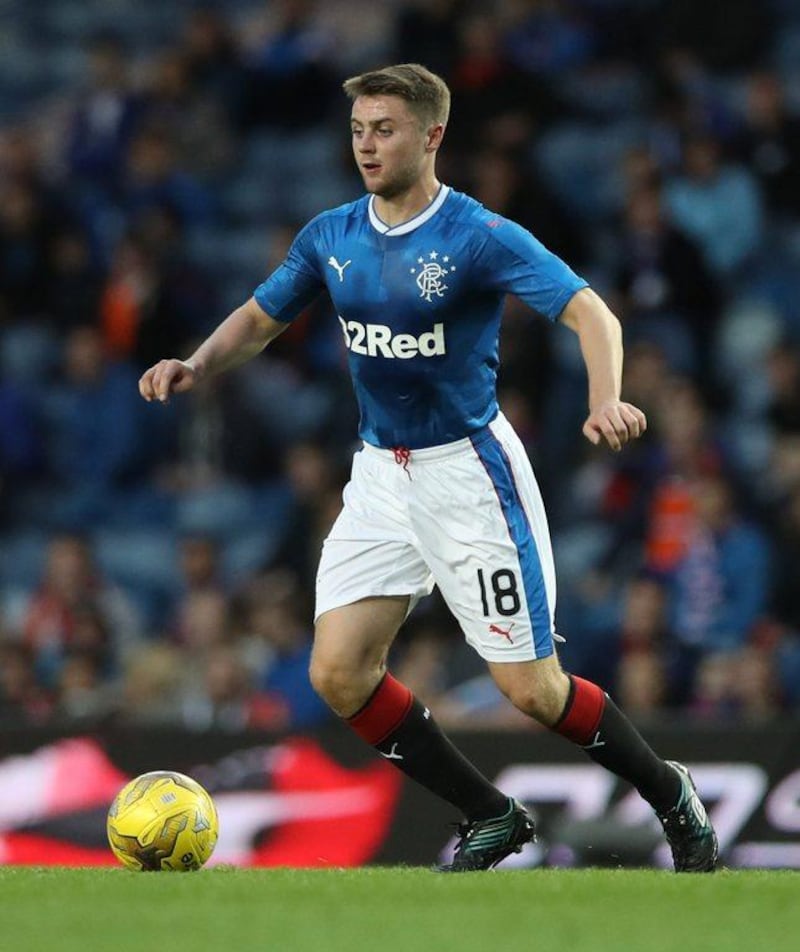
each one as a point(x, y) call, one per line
point(167, 377)
point(615, 422)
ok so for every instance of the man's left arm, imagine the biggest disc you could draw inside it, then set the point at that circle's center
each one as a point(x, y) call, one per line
point(600, 336)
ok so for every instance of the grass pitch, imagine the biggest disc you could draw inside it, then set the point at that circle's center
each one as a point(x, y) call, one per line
point(397, 910)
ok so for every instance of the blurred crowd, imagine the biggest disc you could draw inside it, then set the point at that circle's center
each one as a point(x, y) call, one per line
point(157, 563)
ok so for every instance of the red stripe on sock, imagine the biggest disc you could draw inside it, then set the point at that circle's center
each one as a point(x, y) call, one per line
point(384, 712)
point(580, 720)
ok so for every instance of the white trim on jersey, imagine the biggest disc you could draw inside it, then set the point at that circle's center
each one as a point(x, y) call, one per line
point(413, 223)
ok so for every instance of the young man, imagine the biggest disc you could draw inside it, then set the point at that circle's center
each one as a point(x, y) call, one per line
point(442, 492)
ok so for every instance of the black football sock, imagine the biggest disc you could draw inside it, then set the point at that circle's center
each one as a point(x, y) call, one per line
point(405, 733)
point(592, 720)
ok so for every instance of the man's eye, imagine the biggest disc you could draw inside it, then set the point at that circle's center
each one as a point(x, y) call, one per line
point(384, 132)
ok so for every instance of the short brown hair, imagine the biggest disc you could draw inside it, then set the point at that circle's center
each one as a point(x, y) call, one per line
point(426, 93)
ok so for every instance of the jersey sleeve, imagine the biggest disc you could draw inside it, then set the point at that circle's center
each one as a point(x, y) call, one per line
point(295, 283)
point(510, 259)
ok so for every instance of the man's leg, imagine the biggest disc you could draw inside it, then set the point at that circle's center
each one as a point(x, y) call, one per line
point(583, 713)
point(348, 670)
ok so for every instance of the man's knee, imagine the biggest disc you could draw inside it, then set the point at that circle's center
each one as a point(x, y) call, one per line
point(343, 685)
point(541, 694)
point(350, 648)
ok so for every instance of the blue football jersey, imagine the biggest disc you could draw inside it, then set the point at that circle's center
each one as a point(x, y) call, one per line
point(419, 305)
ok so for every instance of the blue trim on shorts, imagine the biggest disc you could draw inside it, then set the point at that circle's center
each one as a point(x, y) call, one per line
point(498, 468)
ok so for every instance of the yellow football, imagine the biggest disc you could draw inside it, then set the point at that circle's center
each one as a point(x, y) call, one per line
point(163, 820)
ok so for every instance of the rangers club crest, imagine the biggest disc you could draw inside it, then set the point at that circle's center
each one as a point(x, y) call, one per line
point(431, 274)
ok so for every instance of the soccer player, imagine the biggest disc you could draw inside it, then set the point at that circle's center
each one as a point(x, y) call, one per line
point(442, 492)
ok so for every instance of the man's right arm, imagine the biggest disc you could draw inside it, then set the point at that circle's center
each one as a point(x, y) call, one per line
point(242, 335)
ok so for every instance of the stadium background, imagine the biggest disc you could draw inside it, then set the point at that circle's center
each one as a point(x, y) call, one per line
point(156, 564)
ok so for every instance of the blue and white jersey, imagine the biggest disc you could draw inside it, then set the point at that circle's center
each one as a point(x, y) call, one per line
point(420, 305)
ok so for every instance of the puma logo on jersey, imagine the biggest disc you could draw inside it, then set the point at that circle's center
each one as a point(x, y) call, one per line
point(339, 268)
point(377, 340)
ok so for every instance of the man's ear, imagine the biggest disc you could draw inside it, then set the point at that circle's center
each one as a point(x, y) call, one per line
point(433, 138)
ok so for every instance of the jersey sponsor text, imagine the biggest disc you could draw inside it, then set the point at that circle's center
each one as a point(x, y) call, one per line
point(377, 340)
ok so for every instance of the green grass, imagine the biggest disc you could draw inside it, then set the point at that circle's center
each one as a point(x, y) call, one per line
point(396, 910)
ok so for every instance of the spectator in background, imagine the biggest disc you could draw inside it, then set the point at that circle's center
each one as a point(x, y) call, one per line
point(27, 232)
point(76, 280)
point(314, 484)
point(199, 126)
point(769, 143)
point(781, 479)
point(94, 429)
point(668, 295)
point(74, 609)
point(153, 179)
point(647, 373)
point(203, 622)
point(643, 684)
point(758, 688)
point(686, 448)
point(635, 656)
point(640, 505)
point(20, 161)
point(783, 378)
point(718, 205)
point(290, 79)
point(741, 684)
point(498, 102)
point(713, 691)
point(104, 118)
point(548, 38)
point(23, 701)
point(644, 640)
point(720, 586)
point(278, 644)
point(153, 296)
point(226, 697)
point(83, 692)
point(129, 302)
point(211, 56)
point(34, 214)
point(199, 558)
point(152, 686)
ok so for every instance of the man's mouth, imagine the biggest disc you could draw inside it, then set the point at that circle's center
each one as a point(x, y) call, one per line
point(370, 166)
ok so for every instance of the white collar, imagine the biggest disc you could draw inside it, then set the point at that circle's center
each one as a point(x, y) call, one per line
point(413, 223)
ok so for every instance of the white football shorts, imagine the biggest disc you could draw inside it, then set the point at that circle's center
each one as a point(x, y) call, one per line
point(466, 516)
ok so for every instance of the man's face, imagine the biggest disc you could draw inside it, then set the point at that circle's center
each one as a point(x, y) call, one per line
point(389, 144)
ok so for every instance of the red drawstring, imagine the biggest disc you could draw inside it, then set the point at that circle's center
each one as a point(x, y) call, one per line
point(402, 456)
